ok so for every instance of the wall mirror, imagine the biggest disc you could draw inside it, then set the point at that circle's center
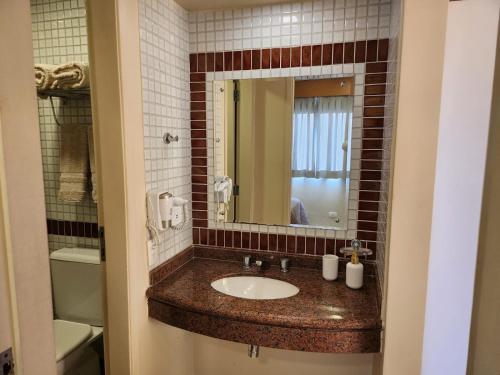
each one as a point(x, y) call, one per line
point(283, 151)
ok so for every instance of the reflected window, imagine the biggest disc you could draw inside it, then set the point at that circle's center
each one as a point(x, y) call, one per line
point(321, 128)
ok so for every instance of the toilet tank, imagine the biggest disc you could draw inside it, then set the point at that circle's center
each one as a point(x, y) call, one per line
point(77, 285)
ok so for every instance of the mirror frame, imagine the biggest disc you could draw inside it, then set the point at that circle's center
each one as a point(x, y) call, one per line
point(368, 61)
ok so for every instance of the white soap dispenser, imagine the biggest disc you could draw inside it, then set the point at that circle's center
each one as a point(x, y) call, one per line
point(354, 269)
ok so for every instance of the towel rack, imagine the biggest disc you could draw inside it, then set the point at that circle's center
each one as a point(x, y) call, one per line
point(64, 94)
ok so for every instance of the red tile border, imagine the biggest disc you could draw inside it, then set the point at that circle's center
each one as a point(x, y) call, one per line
point(256, 59)
point(275, 58)
point(348, 53)
point(285, 57)
point(228, 61)
point(296, 57)
point(327, 54)
point(237, 60)
point(372, 52)
point(316, 55)
point(72, 228)
point(306, 55)
point(338, 53)
point(247, 60)
point(219, 61)
point(266, 58)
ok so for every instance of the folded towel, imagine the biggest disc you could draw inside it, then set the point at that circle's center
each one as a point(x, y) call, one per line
point(90, 134)
point(44, 76)
point(73, 75)
point(74, 163)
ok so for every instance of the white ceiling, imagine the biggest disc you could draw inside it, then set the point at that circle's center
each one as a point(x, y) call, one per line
point(220, 4)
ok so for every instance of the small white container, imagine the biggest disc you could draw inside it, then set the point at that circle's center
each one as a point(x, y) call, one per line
point(354, 275)
point(330, 267)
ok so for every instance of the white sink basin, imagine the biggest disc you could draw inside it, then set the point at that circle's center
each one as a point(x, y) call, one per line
point(252, 287)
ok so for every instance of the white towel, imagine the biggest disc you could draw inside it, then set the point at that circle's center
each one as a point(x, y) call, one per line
point(73, 75)
point(90, 134)
point(74, 162)
point(44, 76)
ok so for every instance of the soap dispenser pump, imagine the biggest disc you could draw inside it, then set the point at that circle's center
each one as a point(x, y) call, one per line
point(354, 269)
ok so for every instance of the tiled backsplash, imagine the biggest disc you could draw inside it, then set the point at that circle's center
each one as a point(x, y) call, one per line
point(60, 35)
point(165, 87)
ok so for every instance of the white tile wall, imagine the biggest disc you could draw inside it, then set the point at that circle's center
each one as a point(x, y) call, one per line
point(389, 125)
point(59, 32)
point(165, 84)
point(284, 25)
point(316, 22)
point(281, 25)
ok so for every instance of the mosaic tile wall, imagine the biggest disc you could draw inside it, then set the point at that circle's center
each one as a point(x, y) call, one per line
point(389, 126)
point(165, 83)
point(367, 61)
point(285, 25)
point(341, 37)
point(59, 31)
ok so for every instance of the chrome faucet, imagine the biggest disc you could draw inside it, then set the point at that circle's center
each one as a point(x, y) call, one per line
point(284, 264)
point(246, 262)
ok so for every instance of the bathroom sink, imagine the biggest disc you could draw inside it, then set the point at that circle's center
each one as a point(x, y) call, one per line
point(253, 287)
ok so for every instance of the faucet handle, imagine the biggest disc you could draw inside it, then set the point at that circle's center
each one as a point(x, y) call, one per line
point(284, 263)
point(246, 262)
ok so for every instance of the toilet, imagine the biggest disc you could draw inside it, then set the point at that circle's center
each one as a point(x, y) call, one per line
point(78, 309)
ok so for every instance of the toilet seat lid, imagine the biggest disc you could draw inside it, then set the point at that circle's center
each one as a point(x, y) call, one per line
point(68, 336)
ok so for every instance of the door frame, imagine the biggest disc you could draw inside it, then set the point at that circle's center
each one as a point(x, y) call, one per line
point(9, 326)
point(117, 105)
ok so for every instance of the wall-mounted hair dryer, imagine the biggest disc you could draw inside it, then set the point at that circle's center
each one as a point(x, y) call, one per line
point(165, 211)
point(223, 190)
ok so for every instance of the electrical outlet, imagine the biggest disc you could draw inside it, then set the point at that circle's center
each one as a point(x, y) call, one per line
point(153, 255)
point(177, 213)
point(7, 362)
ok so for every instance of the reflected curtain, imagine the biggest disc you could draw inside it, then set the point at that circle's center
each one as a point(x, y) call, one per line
point(321, 137)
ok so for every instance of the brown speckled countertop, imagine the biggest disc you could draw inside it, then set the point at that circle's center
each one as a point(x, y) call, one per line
point(323, 313)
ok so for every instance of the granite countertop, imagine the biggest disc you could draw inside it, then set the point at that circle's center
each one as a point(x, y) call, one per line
point(320, 304)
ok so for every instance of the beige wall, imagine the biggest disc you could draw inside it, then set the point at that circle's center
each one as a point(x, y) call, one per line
point(7, 290)
point(218, 357)
point(461, 160)
point(413, 182)
point(24, 190)
point(484, 353)
point(6, 327)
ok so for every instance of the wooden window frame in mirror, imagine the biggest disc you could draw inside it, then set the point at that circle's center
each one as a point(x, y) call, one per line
point(324, 87)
